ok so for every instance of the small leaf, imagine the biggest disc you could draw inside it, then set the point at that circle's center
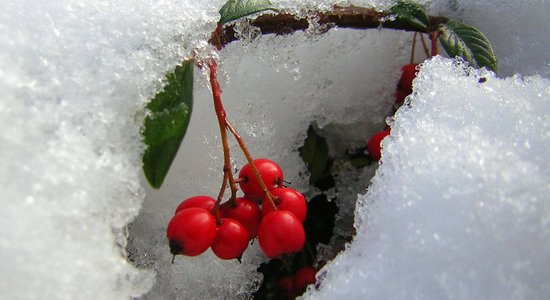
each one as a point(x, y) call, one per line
point(359, 157)
point(411, 13)
point(314, 153)
point(236, 9)
point(469, 43)
point(165, 126)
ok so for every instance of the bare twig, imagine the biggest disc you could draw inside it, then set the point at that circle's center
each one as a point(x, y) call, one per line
point(342, 17)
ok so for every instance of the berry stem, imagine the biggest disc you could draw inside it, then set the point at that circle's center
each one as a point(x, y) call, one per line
point(225, 124)
point(433, 36)
point(216, 37)
point(411, 60)
point(219, 199)
point(250, 160)
point(221, 115)
point(424, 46)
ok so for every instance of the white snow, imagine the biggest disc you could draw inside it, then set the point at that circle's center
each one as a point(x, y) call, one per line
point(458, 208)
point(74, 77)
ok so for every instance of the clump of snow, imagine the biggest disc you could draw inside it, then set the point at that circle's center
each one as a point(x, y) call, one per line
point(459, 207)
point(74, 77)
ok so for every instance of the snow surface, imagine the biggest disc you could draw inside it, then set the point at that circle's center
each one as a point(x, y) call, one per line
point(74, 77)
point(458, 209)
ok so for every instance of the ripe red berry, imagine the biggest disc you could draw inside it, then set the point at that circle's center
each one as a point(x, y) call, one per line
point(246, 212)
point(304, 277)
point(270, 172)
point(374, 147)
point(408, 73)
point(231, 239)
point(400, 96)
point(286, 284)
point(281, 232)
point(191, 231)
point(205, 202)
point(287, 199)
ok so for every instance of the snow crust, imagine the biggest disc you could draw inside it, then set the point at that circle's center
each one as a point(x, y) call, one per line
point(456, 210)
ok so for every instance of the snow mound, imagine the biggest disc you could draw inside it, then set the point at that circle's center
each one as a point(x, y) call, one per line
point(74, 77)
point(459, 207)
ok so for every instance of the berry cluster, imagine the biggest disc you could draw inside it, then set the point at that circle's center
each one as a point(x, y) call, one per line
point(274, 214)
point(404, 88)
point(295, 285)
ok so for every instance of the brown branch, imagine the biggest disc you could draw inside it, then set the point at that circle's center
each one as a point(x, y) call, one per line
point(342, 17)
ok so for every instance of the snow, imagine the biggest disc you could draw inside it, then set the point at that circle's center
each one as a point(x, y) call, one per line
point(459, 206)
point(457, 209)
point(73, 77)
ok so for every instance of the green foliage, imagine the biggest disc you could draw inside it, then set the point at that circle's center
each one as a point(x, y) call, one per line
point(411, 13)
point(236, 9)
point(315, 154)
point(469, 43)
point(165, 125)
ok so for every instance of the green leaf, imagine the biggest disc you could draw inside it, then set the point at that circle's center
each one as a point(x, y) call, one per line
point(165, 125)
point(236, 9)
point(411, 13)
point(469, 43)
point(314, 153)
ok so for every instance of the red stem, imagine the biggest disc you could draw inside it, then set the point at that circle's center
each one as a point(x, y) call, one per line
point(216, 37)
point(433, 36)
point(219, 199)
point(250, 160)
point(221, 115)
point(411, 60)
point(424, 46)
point(224, 124)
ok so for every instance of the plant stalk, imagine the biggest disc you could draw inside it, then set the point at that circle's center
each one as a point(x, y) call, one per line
point(433, 36)
point(221, 116)
point(250, 160)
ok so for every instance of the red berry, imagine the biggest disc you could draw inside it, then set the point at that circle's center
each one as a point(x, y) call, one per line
point(287, 285)
point(191, 231)
point(271, 174)
point(304, 277)
point(205, 202)
point(246, 212)
point(374, 147)
point(287, 199)
point(281, 232)
point(231, 239)
point(408, 73)
point(400, 96)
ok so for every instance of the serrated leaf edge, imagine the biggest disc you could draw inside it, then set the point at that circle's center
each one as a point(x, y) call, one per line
point(464, 33)
point(231, 10)
point(416, 21)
